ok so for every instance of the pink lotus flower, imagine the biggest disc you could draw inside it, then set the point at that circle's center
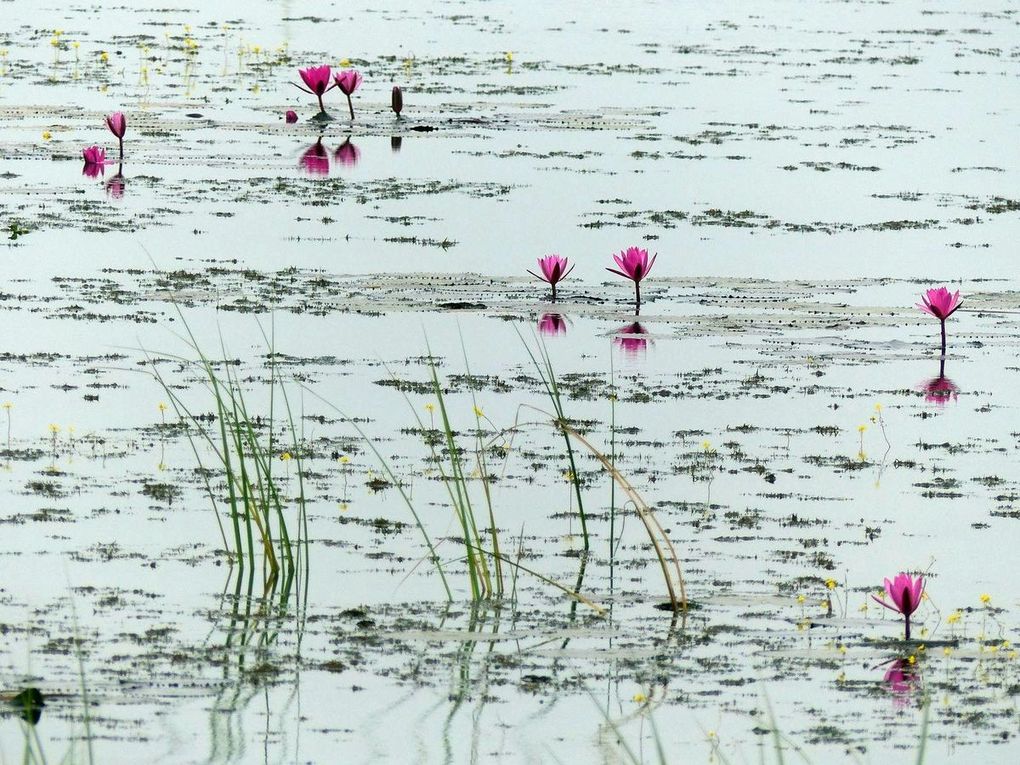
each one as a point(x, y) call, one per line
point(941, 304)
point(317, 80)
point(634, 265)
point(554, 270)
point(552, 324)
point(348, 81)
point(290, 116)
point(905, 593)
point(93, 155)
point(117, 123)
point(347, 154)
point(631, 340)
point(397, 100)
point(315, 159)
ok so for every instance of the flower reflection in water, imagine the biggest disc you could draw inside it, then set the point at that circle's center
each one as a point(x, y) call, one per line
point(902, 679)
point(631, 339)
point(93, 169)
point(315, 160)
point(347, 154)
point(116, 185)
point(552, 324)
point(940, 390)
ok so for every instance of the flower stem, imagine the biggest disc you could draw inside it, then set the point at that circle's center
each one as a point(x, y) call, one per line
point(120, 140)
point(350, 105)
point(554, 292)
point(321, 107)
point(637, 298)
point(906, 623)
point(943, 338)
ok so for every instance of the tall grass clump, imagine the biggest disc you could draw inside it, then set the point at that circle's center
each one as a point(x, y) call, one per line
point(665, 552)
point(245, 447)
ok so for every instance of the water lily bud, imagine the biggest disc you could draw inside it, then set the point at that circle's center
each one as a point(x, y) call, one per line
point(397, 100)
point(291, 116)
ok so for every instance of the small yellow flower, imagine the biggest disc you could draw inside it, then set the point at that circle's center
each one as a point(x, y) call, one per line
point(509, 56)
point(946, 651)
point(706, 446)
point(430, 408)
point(801, 599)
point(639, 698)
point(54, 428)
point(912, 659)
point(76, 45)
point(841, 677)
point(345, 62)
point(830, 583)
point(8, 405)
point(920, 648)
point(986, 599)
point(162, 406)
point(344, 459)
point(1005, 644)
point(47, 135)
point(1011, 655)
point(954, 617)
point(842, 649)
point(286, 457)
point(55, 42)
point(104, 57)
point(861, 428)
point(878, 407)
point(478, 412)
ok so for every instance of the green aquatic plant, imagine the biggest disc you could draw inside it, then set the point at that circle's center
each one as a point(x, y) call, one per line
point(246, 448)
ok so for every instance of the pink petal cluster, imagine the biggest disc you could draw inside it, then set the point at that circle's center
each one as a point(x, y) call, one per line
point(316, 78)
point(940, 302)
point(93, 155)
point(633, 263)
point(348, 80)
point(290, 116)
point(904, 592)
point(554, 269)
point(117, 123)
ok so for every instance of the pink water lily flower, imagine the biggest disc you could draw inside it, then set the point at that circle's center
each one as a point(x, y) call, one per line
point(634, 265)
point(904, 593)
point(941, 304)
point(554, 270)
point(317, 80)
point(117, 123)
point(94, 155)
point(348, 81)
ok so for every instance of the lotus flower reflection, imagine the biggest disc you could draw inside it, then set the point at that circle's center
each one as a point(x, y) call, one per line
point(904, 596)
point(630, 339)
point(347, 154)
point(941, 304)
point(554, 270)
point(901, 679)
point(552, 324)
point(95, 161)
point(315, 160)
